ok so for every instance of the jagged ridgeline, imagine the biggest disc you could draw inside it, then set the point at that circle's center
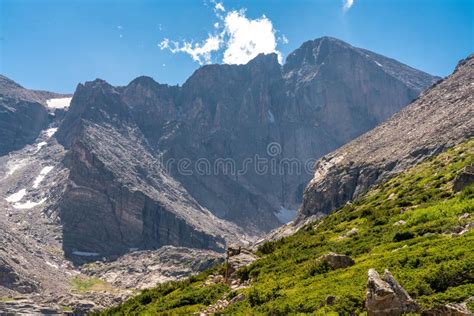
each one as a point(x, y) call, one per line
point(416, 225)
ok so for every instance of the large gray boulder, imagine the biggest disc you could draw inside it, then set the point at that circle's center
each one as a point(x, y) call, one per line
point(337, 261)
point(385, 297)
point(464, 179)
point(451, 309)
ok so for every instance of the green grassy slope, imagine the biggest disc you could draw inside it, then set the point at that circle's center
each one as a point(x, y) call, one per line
point(434, 266)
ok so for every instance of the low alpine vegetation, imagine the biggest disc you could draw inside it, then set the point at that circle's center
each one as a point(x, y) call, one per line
point(414, 224)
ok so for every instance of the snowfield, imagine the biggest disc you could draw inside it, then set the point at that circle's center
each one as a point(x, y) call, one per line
point(50, 131)
point(28, 204)
point(60, 103)
point(16, 197)
point(41, 176)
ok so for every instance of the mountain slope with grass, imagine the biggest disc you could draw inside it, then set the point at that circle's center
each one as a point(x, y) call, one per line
point(414, 224)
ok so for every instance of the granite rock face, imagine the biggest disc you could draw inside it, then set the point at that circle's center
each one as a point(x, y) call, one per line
point(439, 118)
point(327, 93)
point(119, 197)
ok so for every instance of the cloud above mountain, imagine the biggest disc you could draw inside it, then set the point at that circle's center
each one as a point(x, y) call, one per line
point(235, 39)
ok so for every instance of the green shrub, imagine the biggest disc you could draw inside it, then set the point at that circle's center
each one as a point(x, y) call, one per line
point(400, 236)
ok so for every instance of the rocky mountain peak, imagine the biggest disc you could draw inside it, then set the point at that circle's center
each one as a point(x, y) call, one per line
point(143, 81)
point(265, 62)
point(327, 94)
point(329, 53)
point(313, 54)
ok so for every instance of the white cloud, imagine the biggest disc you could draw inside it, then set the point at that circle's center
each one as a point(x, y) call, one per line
point(200, 52)
point(248, 38)
point(219, 6)
point(347, 4)
point(236, 38)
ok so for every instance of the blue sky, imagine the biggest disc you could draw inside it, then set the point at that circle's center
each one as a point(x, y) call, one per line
point(53, 45)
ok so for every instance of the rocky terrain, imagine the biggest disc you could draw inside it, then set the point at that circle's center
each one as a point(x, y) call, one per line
point(439, 118)
point(23, 114)
point(97, 178)
point(35, 275)
point(145, 269)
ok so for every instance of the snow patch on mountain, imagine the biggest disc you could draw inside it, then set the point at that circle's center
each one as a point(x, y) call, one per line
point(14, 166)
point(59, 103)
point(41, 176)
point(40, 145)
point(16, 197)
point(28, 204)
point(271, 117)
point(50, 131)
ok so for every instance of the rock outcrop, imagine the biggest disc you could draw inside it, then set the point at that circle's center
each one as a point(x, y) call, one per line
point(464, 179)
point(385, 297)
point(337, 261)
point(440, 118)
point(451, 309)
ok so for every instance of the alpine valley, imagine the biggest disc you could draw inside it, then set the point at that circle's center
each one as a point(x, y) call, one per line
point(147, 198)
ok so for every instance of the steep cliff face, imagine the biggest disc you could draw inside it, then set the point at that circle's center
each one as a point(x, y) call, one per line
point(327, 93)
point(119, 196)
point(441, 117)
point(227, 114)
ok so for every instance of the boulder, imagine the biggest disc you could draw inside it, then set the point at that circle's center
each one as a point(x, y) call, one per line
point(451, 309)
point(385, 297)
point(337, 261)
point(465, 178)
